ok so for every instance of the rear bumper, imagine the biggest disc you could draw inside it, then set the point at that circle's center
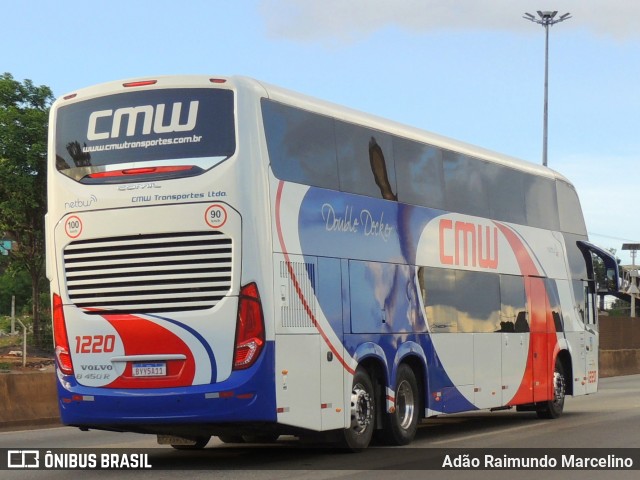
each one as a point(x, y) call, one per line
point(246, 396)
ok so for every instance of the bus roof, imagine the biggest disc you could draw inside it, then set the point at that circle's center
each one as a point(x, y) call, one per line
point(306, 102)
point(283, 95)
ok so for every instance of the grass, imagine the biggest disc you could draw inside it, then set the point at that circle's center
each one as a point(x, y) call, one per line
point(11, 340)
point(37, 356)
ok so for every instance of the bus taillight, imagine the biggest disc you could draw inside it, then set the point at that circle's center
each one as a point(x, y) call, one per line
point(60, 337)
point(144, 171)
point(141, 83)
point(249, 328)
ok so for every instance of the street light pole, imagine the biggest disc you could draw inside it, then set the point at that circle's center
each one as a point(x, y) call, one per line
point(546, 19)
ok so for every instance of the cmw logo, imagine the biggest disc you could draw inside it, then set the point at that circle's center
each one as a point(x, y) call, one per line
point(152, 117)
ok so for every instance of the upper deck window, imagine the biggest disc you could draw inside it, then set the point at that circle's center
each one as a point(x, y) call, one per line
point(313, 149)
point(301, 145)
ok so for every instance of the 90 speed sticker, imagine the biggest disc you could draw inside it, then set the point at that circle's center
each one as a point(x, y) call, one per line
point(215, 216)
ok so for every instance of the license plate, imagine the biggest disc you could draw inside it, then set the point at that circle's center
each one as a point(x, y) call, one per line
point(156, 369)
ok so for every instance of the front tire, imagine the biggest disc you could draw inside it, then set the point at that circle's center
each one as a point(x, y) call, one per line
point(363, 413)
point(554, 407)
point(400, 427)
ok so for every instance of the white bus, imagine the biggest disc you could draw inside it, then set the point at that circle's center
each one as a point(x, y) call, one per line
point(231, 258)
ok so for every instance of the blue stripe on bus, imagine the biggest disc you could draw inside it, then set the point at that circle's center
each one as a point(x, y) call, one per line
point(380, 238)
point(201, 339)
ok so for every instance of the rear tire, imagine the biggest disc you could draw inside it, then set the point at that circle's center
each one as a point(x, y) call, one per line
point(363, 413)
point(399, 427)
point(554, 407)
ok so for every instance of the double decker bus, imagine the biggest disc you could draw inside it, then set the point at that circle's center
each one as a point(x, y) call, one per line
point(230, 258)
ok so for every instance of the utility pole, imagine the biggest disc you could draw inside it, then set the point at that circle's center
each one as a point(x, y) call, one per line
point(546, 19)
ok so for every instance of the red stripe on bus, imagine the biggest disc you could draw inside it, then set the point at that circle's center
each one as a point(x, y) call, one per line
point(541, 341)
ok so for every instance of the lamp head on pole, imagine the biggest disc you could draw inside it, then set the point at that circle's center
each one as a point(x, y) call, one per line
point(547, 17)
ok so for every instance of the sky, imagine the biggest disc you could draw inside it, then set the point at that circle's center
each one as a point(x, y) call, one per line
point(472, 70)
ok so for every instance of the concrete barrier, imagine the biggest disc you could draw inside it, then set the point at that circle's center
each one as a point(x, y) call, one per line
point(614, 363)
point(30, 398)
point(619, 346)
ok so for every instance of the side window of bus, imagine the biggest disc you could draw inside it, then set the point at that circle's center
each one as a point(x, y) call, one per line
point(540, 200)
point(506, 194)
point(460, 300)
point(438, 287)
point(581, 302)
point(477, 301)
point(554, 303)
point(301, 145)
point(571, 219)
point(579, 274)
point(419, 171)
point(513, 300)
point(465, 184)
point(365, 161)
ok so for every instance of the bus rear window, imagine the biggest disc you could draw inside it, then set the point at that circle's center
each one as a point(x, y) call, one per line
point(167, 132)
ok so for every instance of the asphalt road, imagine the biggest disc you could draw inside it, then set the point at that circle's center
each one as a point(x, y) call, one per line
point(609, 419)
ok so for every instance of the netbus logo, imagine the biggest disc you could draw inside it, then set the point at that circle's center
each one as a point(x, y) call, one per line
point(152, 118)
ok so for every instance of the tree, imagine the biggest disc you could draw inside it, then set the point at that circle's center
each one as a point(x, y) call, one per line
point(13, 284)
point(24, 114)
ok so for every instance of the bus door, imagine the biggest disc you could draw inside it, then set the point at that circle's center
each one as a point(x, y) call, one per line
point(606, 281)
point(590, 336)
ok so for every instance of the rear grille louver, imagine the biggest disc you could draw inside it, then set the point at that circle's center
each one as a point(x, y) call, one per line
point(149, 273)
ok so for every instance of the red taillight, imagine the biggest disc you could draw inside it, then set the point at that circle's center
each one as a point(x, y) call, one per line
point(60, 337)
point(140, 83)
point(249, 328)
point(141, 171)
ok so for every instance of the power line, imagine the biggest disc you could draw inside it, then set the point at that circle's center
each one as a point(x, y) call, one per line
point(611, 237)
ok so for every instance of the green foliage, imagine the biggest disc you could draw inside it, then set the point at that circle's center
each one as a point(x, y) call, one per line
point(24, 112)
point(14, 283)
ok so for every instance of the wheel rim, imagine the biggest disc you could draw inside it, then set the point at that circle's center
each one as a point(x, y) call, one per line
point(405, 405)
point(558, 389)
point(361, 409)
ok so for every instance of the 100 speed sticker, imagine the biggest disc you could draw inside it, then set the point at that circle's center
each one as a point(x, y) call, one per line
point(73, 226)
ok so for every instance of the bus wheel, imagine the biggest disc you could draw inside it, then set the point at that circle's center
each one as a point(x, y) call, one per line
point(553, 408)
point(363, 413)
point(201, 442)
point(400, 426)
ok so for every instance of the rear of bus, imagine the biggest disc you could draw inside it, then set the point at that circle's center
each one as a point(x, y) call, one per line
point(157, 309)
